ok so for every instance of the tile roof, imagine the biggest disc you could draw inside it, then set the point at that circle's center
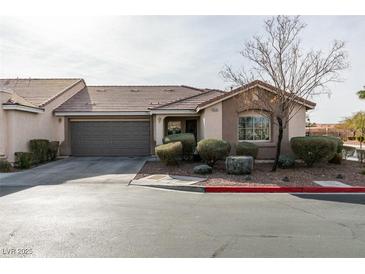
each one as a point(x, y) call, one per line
point(191, 103)
point(227, 95)
point(36, 92)
point(125, 98)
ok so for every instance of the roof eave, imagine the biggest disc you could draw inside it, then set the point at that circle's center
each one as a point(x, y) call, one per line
point(24, 108)
point(101, 113)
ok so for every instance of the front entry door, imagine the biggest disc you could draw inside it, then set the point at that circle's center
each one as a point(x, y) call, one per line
point(191, 127)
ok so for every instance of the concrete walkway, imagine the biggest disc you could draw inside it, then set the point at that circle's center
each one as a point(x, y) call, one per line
point(170, 182)
point(120, 170)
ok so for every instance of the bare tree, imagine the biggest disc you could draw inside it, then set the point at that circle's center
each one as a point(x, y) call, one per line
point(278, 58)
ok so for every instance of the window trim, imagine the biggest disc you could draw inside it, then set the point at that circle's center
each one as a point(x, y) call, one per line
point(254, 114)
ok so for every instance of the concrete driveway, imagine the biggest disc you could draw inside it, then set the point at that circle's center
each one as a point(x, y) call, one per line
point(119, 170)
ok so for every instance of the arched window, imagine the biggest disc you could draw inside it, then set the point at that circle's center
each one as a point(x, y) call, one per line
point(254, 127)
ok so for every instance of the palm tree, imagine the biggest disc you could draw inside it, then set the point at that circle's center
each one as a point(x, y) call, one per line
point(361, 94)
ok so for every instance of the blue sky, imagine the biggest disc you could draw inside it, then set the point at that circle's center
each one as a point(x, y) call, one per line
point(150, 50)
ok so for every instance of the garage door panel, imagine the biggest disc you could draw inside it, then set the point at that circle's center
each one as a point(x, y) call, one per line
point(114, 138)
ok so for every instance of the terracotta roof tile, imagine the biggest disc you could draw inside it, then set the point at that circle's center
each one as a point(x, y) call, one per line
point(36, 92)
point(249, 86)
point(125, 98)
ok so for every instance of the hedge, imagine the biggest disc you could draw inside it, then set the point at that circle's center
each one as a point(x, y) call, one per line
point(23, 160)
point(39, 148)
point(169, 153)
point(5, 166)
point(212, 150)
point(247, 149)
point(312, 149)
point(52, 150)
point(187, 140)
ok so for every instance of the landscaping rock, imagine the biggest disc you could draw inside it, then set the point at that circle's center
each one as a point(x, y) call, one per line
point(247, 177)
point(286, 179)
point(239, 165)
point(203, 169)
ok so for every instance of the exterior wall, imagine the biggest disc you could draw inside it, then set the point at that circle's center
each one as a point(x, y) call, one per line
point(297, 123)
point(24, 126)
point(4, 96)
point(211, 122)
point(231, 111)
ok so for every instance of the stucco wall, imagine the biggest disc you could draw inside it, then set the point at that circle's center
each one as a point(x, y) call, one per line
point(231, 110)
point(297, 123)
point(211, 122)
point(24, 126)
point(4, 96)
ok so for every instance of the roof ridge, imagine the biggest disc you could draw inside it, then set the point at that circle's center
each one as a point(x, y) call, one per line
point(144, 86)
point(186, 86)
point(181, 99)
point(61, 92)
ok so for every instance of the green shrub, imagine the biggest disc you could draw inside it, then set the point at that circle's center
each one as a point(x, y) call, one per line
point(169, 153)
point(360, 139)
point(312, 149)
point(53, 150)
point(338, 141)
point(39, 148)
point(337, 159)
point(5, 166)
point(286, 161)
point(212, 150)
point(187, 140)
point(247, 149)
point(23, 160)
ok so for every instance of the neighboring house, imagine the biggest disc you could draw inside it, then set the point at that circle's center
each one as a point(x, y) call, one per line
point(132, 120)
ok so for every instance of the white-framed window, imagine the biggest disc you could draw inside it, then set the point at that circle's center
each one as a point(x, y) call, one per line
point(254, 127)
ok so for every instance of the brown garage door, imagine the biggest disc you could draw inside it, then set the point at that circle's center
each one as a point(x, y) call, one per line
point(110, 138)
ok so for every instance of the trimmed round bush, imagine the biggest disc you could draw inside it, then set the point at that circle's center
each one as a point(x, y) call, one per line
point(286, 161)
point(23, 160)
point(5, 166)
point(39, 148)
point(169, 153)
point(247, 149)
point(313, 149)
point(213, 150)
point(187, 140)
point(202, 169)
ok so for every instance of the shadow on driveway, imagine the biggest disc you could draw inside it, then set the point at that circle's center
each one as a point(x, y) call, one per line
point(92, 170)
point(342, 198)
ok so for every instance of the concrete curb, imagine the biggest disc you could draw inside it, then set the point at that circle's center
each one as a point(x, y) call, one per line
point(260, 189)
point(282, 189)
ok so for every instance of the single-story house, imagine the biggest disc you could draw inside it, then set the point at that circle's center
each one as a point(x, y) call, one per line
point(132, 120)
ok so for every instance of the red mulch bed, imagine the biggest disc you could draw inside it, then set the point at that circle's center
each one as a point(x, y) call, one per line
point(298, 176)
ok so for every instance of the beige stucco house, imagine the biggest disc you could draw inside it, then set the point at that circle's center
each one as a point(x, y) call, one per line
point(131, 120)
